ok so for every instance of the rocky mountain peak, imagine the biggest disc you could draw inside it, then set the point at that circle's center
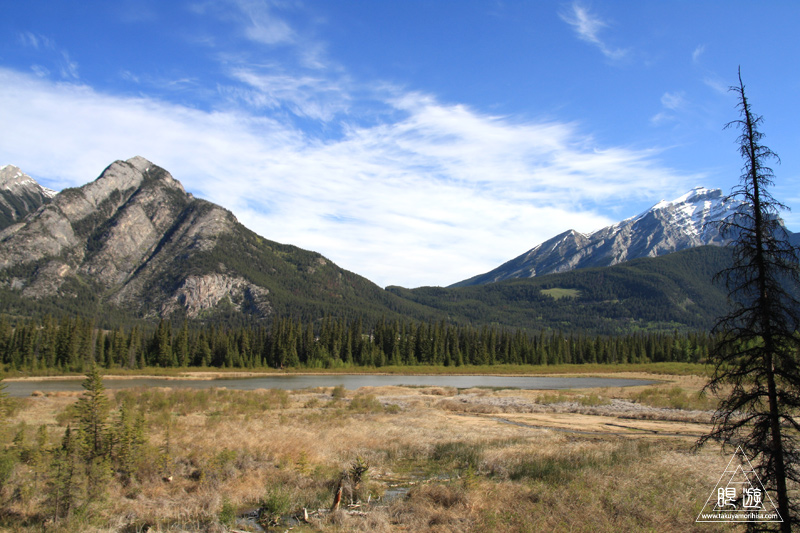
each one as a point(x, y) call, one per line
point(11, 176)
point(127, 175)
point(134, 241)
point(667, 227)
point(20, 195)
point(12, 179)
point(140, 163)
point(123, 234)
point(698, 194)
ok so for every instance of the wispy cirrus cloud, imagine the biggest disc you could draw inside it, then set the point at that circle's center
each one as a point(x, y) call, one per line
point(304, 95)
point(698, 53)
point(263, 25)
point(588, 27)
point(36, 41)
point(716, 84)
point(256, 19)
point(58, 57)
point(671, 104)
point(430, 194)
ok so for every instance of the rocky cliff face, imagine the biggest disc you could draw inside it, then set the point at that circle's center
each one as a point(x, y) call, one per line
point(664, 228)
point(121, 237)
point(19, 195)
point(134, 244)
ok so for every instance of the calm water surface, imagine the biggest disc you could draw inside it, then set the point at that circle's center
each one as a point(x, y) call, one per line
point(351, 382)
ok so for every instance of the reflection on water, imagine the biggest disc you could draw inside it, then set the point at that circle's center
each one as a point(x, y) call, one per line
point(350, 381)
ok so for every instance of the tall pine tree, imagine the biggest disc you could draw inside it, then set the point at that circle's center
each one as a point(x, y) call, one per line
point(755, 359)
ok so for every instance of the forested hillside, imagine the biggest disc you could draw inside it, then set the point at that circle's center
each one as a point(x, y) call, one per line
point(76, 345)
point(653, 294)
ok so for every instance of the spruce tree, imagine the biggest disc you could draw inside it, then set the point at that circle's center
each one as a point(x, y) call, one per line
point(3, 403)
point(65, 486)
point(93, 410)
point(756, 356)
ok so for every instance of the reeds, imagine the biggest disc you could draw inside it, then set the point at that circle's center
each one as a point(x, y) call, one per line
point(213, 454)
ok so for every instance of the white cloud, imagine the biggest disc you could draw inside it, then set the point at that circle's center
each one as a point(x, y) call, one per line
point(588, 27)
point(309, 96)
point(674, 101)
point(263, 25)
point(39, 70)
point(671, 103)
point(435, 195)
point(716, 84)
point(48, 48)
point(699, 51)
point(68, 67)
point(256, 18)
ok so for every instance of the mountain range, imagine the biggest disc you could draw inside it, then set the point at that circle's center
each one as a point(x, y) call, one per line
point(667, 227)
point(134, 245)
point(135, 242)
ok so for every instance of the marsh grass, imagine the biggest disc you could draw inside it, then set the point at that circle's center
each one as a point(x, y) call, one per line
point(561, 467)
point(586, 400)
point(553, 398)
point(228, 451)
point(593, 400)
point(675, 397)
point(222, 402)
point(457, 455)
point(365, 403)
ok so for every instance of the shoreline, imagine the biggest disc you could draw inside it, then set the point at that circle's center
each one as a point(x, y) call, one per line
point(211, 375)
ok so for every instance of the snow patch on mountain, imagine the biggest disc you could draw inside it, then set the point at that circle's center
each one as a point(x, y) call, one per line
point(668, 226)
point(19, 195)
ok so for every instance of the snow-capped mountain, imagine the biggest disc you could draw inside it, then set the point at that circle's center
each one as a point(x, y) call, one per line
point(666, 227)
point(19, 195)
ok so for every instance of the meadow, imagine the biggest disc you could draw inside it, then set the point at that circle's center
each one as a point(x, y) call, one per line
point(402, 459)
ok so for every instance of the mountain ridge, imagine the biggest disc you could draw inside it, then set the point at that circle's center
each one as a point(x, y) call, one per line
point(133, 239)
point(134, 245)
point(667, 227)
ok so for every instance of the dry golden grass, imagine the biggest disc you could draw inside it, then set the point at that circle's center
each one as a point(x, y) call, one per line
point(465, 467)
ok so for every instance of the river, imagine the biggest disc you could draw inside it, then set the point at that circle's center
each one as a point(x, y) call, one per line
point(349, 381)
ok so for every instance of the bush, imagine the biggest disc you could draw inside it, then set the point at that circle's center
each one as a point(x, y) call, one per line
point(593, 400)
point(227, 515)
point(674, 398)
point(277, 502)
point(339, 392)
point(8, 461)
point(365, 403)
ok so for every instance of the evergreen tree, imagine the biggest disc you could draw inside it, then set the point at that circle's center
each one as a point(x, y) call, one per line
point(93, 409)
point(3, 403)
point(183, 346)
point(756, 355)
point(65, 483)
point(129, 438)
point(38, 454)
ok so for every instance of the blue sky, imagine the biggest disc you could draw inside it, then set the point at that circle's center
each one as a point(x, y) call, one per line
point(412, 142)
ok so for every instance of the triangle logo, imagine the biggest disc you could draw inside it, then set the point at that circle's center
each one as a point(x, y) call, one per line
point(739, 495)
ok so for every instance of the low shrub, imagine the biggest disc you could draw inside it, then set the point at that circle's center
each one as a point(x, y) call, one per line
point(365, 403)
point(675, 398)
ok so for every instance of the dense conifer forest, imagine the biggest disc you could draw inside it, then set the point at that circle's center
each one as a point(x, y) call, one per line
point(76, 344)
